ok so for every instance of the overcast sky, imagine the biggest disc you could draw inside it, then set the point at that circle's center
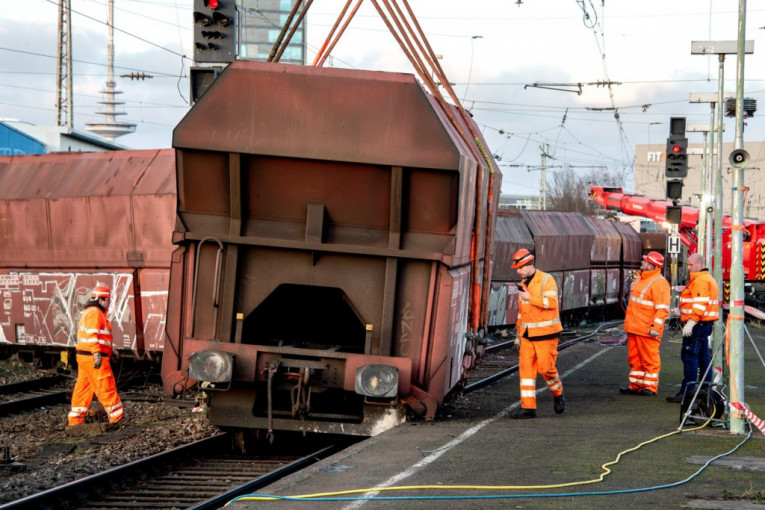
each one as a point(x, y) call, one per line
point(493, 51)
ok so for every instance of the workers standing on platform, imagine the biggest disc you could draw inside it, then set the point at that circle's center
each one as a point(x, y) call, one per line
point(699, 309)
point(94, 372)
point(538, 325)
point(647, 309)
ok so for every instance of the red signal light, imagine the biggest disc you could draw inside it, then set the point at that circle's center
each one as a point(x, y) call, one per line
point(212, 4)
point(676, 148)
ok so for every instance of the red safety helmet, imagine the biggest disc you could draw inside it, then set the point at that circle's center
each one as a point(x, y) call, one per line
point(521, 258)
point(100, 291)
point(654, 258)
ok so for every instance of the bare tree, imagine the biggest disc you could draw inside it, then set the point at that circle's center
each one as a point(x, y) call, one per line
point(570, 191)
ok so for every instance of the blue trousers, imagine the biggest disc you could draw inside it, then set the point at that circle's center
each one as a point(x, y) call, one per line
point(695, 356)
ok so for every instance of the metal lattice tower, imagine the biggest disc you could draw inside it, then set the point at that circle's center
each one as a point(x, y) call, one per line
point(110, 129)
point(64, 106)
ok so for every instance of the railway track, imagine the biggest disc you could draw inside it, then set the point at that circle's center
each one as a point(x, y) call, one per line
point(501, 359)
point(201, 476)
point(22, 396)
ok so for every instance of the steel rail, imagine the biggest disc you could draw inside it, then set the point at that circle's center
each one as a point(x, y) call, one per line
point(184, 486)
point(27, 395)
point(69, 494)
point(224, 497)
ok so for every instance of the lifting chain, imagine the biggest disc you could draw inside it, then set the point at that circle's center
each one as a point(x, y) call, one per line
point(272, 367)
point(301, 394)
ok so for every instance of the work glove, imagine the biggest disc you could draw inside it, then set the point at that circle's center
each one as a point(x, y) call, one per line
point(97, 360)
point(688, 328)
point(115, 356)
point(517, 342)
point(653, 333)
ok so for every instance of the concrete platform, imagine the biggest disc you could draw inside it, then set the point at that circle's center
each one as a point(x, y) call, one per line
point(473, 442)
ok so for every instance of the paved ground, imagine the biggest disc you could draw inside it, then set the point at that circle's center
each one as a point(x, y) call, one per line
point(475, 443)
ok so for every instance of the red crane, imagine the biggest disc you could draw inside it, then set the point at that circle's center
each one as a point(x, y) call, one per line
point(754, 231)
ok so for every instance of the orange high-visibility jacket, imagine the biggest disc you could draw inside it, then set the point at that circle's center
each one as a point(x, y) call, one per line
point(94, 332)
point(699, 300)
point(648, 307)
point(539, 315)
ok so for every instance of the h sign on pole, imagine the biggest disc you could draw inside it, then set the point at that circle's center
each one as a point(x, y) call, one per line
point(673, 244)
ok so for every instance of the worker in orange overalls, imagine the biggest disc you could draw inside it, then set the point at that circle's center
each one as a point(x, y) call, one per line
point(538, 325)
point(699, 309)
point(647, 309)
point(94, 348)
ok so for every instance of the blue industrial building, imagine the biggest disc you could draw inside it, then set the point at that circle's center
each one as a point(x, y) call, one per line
point(14, 142)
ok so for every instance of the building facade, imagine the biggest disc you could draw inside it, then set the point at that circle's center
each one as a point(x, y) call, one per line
point(507, 201)
point(14, 142)
point(55, 139)
point(260, 22)
point(650, 180)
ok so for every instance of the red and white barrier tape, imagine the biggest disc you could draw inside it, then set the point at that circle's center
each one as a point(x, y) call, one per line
point(755, 312)
point(757, 422)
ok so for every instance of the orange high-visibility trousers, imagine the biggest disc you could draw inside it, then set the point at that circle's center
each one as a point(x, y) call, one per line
point(538, 357)
point(645, 364)
point(94, 380)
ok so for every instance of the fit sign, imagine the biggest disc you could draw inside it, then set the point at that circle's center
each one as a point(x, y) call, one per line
point(655, 156)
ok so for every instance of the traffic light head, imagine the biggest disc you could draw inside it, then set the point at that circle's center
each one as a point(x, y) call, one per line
point(674, 214)
point(676, 166)
point(214, 31)
point(677, 127)
point(674, 189)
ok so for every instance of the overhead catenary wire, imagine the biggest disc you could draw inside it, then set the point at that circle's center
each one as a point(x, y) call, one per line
point(126, 32)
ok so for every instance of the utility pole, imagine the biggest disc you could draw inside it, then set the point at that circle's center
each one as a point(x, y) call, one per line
point(64, 106)
point(543, 178)
point(739, 159)
point(721, 48)
point(704, 229)
point(543, 183)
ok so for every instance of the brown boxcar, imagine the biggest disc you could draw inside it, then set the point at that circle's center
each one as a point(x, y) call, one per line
point(585, 255)
point(510, 235)
point(605, 258)
point(69, 221)
point(632, 255)
point(324, 265)
point(562, 239)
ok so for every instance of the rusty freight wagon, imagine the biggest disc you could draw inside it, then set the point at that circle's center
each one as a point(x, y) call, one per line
point(70, 221)
point(324, 273)
point(590, 258)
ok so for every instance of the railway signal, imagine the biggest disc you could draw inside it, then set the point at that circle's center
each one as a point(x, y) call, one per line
point(674, 189)
point(214, 31)
point(677, 150)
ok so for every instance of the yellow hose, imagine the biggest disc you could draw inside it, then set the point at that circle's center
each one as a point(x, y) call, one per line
point(604, 467)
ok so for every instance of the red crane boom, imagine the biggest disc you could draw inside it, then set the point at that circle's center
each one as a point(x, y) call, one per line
point(635, 205)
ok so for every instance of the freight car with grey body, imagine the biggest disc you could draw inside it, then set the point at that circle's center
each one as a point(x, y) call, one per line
point(70, 221)
point(324, 274)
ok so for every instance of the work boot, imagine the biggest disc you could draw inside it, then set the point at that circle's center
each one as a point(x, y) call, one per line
point(559, 404)
point(647, 393)
point(523, 414)
point(628, 391)
point(676, 399)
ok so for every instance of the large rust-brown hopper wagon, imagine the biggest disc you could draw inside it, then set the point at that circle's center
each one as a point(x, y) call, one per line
point(327, 255)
